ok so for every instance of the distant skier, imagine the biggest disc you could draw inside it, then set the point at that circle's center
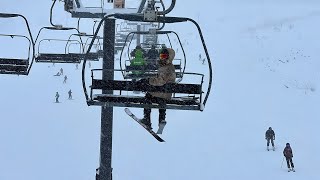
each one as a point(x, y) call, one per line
point(203, 60)
point(61, 71)
point(287, 152)
point(153, 53)
point(58, 74)
point(199, 57)
point(57, 97)
point(77, 66)
point(70, 94)
point(65, 79)
point(270, 136)
point(166, 74)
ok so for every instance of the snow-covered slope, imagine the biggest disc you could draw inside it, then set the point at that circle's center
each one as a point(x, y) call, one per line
point(266, 73)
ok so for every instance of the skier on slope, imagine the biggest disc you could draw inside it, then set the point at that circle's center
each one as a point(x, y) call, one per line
point(65, 79)
point(70, 94)
point(166, 74)
point(153, 53)
point(57, 97)
point(287, 152)
point(270, 136)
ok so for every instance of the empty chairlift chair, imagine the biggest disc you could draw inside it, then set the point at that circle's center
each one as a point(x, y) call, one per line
point(18, 66)
point(65, 56)
point(94, 54)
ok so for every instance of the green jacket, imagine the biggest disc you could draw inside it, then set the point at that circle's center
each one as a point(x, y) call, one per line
point(138, 60)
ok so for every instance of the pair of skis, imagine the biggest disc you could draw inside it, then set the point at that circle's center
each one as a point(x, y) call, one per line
point(155, 135)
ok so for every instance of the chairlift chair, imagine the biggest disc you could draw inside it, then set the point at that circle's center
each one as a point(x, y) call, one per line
point(150, 69)
point(93, 55)
point(18, 66)
point(62, 57)
point(194, 97)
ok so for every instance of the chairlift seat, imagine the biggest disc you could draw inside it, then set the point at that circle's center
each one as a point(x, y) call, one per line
point(58, 58)
point(139, 101)
point(92, 56)
point(11, 61)
point(190, 103)
point(14, 66)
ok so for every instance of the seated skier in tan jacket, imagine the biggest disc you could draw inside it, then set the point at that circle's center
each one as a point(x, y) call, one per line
point(166, 74)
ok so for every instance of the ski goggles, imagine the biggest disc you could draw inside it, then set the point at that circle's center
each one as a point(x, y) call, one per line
point(164, 56)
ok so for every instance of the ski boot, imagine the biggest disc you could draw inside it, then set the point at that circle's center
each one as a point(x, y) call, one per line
point(292, 169)
point(289, 170)
point(162, 121)
point(273, 148)
point(146, 118)
point(146, 123)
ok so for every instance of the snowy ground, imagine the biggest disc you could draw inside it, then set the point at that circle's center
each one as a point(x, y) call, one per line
point(266, 73)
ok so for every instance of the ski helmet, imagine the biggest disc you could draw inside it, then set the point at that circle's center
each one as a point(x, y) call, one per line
point(164, 54)
point(288, 144)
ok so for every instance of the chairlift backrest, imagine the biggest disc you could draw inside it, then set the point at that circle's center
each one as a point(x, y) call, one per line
point(20, 66)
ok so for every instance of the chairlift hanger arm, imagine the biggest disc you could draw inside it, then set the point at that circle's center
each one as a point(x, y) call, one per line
point(166, 11)
point(51, 10)
point(9, 15)
point(208, 58)
point(142, 4)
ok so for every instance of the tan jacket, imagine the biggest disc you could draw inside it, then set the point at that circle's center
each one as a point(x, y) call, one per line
point(166, 74)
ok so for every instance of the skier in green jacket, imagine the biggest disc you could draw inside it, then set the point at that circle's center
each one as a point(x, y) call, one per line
point(138, 61)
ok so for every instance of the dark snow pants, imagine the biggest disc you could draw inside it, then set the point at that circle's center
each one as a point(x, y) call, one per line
point(149, 99)
point(268, 141)
point(289, 162)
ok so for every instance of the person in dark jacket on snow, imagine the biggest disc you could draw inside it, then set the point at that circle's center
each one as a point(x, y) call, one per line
point(270, 136)
point(287, 152)
point(57, 97)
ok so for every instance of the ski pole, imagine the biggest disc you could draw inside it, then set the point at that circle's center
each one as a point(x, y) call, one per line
point(282, 162)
